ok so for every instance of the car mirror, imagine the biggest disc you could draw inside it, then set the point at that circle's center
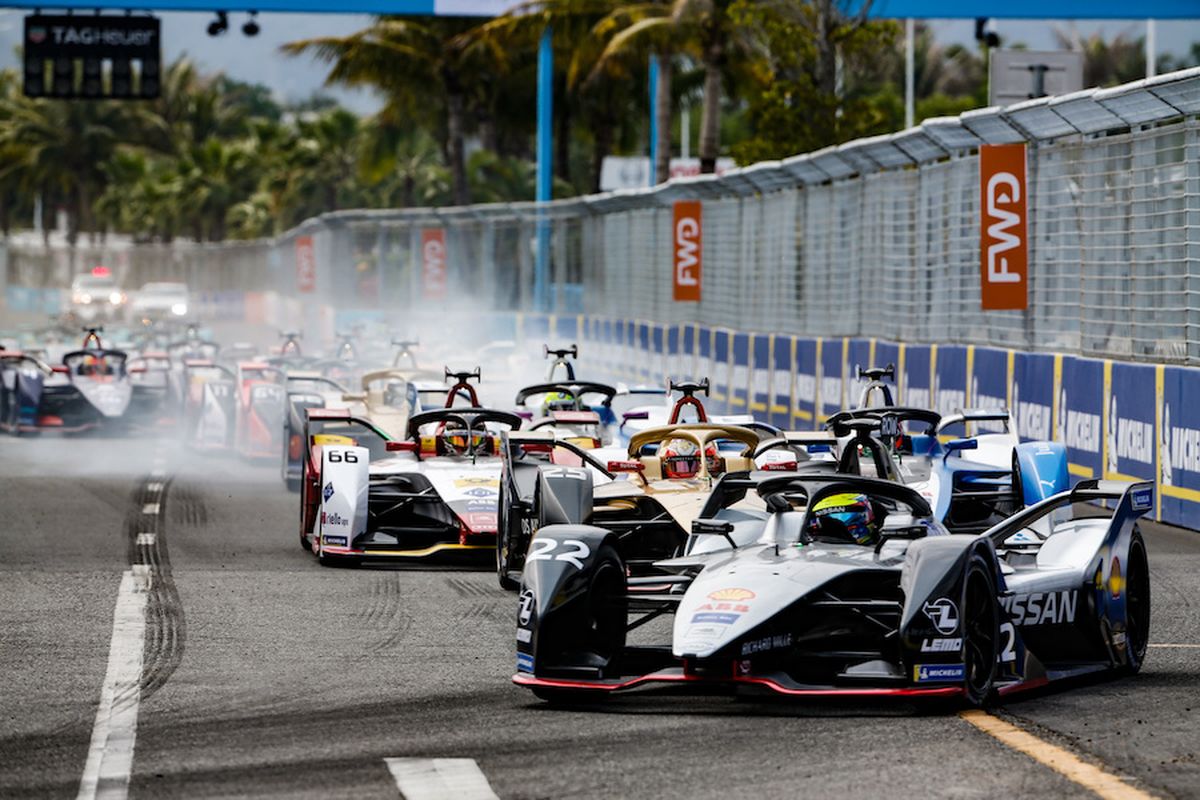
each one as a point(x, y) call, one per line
point(626, 466)
point(714, 527)
point(908, 532)
point(957, 445)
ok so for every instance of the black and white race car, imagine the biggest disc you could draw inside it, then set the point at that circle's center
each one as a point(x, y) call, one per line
point(843, 585)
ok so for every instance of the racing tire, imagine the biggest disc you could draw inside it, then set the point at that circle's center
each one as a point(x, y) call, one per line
point(293, 484)
point(1137, 604)
point(981, 632)
point(508, 539)
point(1018, 484)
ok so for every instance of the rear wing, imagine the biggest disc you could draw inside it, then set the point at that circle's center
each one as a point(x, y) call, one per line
point(803, 439)
point(974, 415)
point(1133, 500)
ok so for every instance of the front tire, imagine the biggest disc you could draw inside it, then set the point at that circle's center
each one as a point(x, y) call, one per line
point(981, 632)
point(507, 544)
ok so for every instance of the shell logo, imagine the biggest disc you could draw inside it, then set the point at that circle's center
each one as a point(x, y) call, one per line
point(732, 595)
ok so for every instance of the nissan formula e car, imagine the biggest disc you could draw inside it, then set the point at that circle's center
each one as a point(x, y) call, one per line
point(841, 585)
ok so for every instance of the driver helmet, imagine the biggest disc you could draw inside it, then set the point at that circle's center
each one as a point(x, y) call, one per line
point(557, 401)
point(457, 440)
point(849, 510)
point(680, 459)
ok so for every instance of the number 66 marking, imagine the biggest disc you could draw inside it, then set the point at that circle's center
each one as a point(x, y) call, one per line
point(543, 550)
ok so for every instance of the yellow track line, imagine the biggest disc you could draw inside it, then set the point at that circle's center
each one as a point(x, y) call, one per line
point(1090, 777)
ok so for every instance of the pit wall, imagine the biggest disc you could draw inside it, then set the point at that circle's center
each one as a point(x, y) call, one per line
point(1119, 420)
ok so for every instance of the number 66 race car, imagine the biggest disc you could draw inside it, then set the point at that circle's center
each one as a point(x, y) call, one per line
point(830, 584)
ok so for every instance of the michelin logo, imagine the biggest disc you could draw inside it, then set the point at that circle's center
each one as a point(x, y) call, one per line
point(1180, 448)
point(938, 673)
point(1130, 439)
point(1033, 419)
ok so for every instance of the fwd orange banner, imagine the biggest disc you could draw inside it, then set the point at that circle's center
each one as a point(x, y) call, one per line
point(1003, 231)
point(686, 251)
point(306, 265)
point(433, 263)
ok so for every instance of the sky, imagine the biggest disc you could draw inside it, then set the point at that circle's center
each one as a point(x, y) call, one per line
point(259, 60)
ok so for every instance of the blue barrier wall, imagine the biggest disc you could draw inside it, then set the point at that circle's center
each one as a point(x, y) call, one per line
point(1119, 420)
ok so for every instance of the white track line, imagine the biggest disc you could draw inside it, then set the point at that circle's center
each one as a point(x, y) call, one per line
point(1187, 646)
point(440, 778)
point(150, 509)
point(110, 756)
point(146, 539)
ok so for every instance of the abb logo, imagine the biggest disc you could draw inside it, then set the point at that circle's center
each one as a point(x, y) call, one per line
point(306, 265)
point(433, 263)
point(686, 251)
point(1003, 238)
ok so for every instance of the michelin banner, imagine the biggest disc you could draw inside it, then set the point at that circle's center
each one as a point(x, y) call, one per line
point(1118, 420)
point(804, 395)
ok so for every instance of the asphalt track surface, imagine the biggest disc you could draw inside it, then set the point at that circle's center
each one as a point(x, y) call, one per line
point(266, 675)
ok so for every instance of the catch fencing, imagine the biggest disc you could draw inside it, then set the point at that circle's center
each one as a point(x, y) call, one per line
point(875, 238)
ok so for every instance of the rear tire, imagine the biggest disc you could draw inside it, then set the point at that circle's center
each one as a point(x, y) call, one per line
point(1018, 485)
point(1137, 604)
point(981, 632)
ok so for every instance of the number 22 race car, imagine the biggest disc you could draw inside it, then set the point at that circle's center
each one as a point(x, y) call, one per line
point(843, 585)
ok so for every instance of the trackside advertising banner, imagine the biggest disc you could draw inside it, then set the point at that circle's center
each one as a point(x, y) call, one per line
point(783, 357)
point(949, 379)
point(1032, 397)
point(1079, 422)
point(760, 374)
point(1130, 424)
point(916, 388)
point(739, 375)
point(804, 396)
point(990, 376)
point(1179, 445)
point(687, 252)
point(830, 397)
point(722, 362)
point(1003, 240)
point(1119, 420)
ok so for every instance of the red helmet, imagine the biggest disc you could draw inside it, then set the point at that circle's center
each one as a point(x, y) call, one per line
point(680, 458)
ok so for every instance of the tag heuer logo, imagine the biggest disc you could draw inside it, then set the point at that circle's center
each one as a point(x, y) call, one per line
point(37, 35)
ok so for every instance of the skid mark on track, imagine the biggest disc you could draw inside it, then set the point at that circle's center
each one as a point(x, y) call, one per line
point(166, 628)
point(385, 613)
point(146, 647)
point(467, 587)
point(187, 507)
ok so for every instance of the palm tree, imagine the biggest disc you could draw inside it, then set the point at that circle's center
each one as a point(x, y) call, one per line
point(61, 147)
point(418, 65)
point(702, 29)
